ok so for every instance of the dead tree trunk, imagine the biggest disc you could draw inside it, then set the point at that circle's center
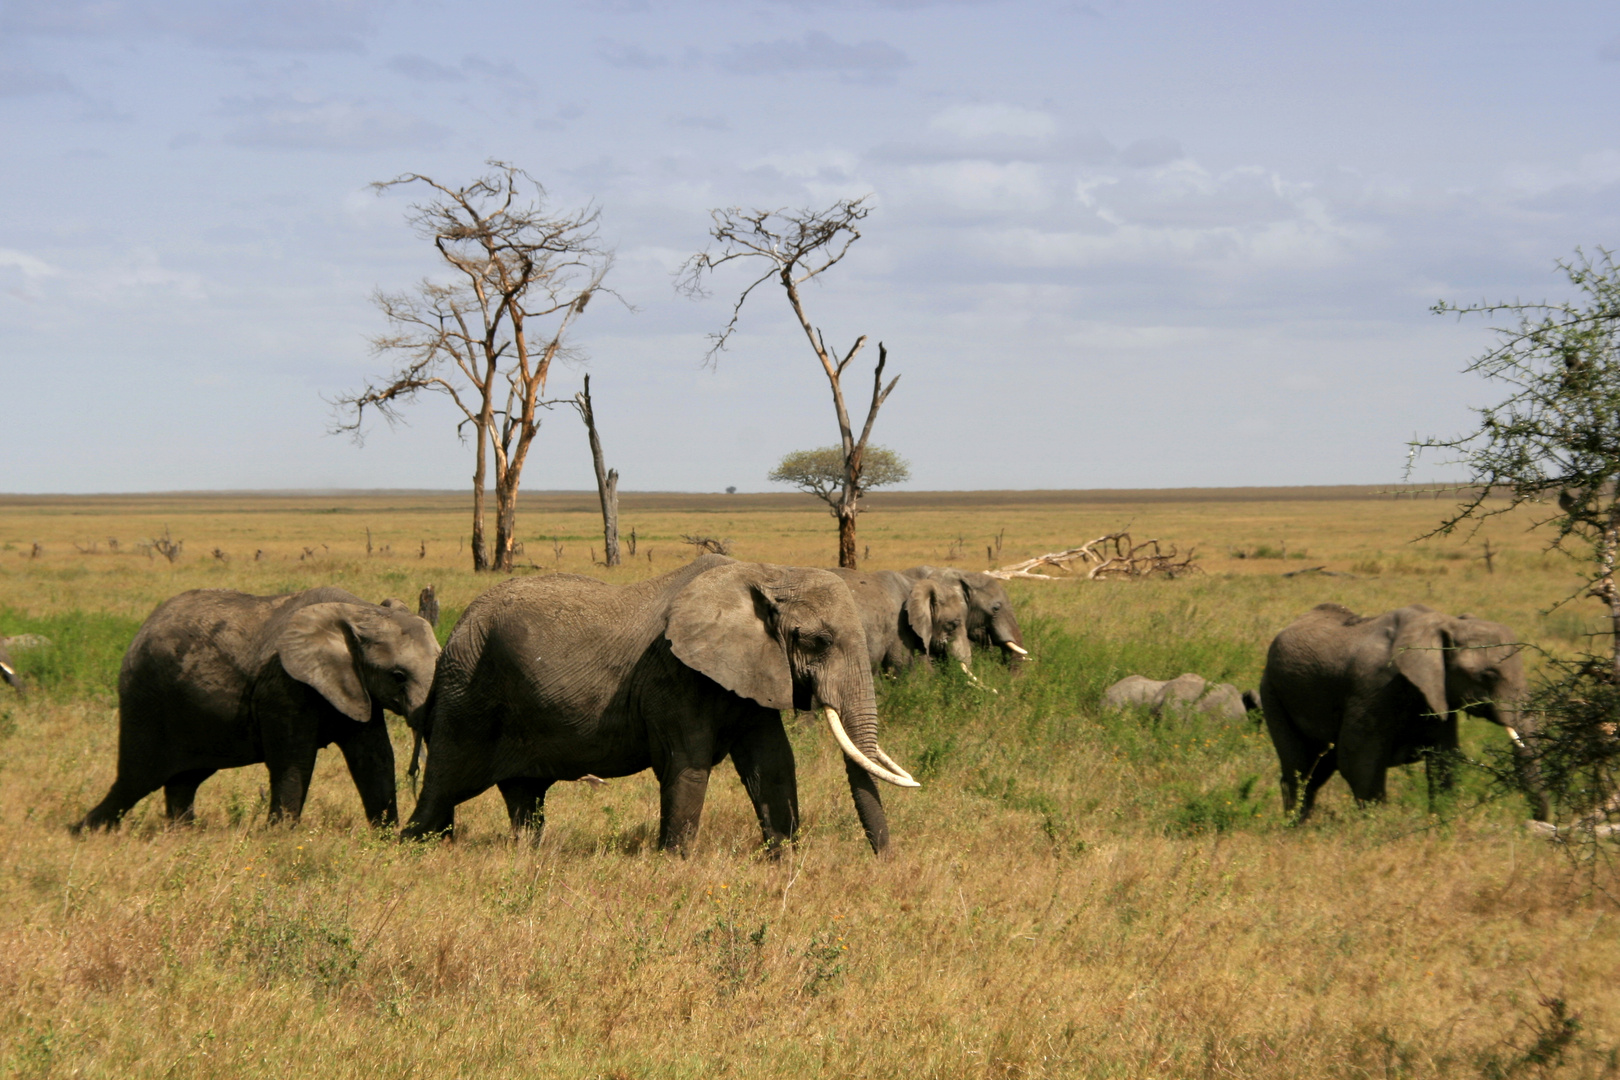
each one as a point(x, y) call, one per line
point(607, 480)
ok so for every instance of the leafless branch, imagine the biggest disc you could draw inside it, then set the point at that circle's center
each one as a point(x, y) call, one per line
point(1112, 556)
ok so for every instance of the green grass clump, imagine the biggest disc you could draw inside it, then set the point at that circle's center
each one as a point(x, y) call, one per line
point(82, 658)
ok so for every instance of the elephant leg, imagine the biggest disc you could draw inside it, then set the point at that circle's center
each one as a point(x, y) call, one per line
point(180, 793)
point(289, 782)
point(1440, 763)
point(1327, 763)
point(868, 807)
point(435, 811)
point(1300, 758)
point(370, 756)
point(681, 793)
point(120, 800)
point(1365, 765)
point(526, 804)
point(764, 760)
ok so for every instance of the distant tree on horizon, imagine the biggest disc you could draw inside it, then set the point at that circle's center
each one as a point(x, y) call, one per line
point(820, 472)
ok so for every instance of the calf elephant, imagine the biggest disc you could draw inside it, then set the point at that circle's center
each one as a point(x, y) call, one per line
point(904, 616)
point(1358, 695)
point(218, 679)
point(558, 677)
point(991, 623)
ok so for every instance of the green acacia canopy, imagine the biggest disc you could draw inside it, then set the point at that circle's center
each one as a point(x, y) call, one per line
point(821, 471)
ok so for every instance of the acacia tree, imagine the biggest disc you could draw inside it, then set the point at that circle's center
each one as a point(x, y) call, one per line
point(1554, 442)
point(519, 276)
point(797, 246)
point(821, 472)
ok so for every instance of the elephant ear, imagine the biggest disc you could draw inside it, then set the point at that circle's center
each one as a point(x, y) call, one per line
point(317, 648)
point(920, 610)
point(723, 624)
point(1419, 655)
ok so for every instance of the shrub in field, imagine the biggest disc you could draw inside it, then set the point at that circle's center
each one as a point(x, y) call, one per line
point(1551, 443)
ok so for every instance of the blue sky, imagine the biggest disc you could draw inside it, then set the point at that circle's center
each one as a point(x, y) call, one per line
point(1115, 244)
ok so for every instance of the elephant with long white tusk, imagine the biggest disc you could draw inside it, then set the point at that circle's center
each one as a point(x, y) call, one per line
point(559, 677)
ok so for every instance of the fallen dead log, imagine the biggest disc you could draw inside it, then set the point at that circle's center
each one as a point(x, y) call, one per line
point(1112, 556)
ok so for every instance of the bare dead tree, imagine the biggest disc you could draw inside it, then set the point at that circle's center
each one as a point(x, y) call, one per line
point(798, 246)
point(607, 480)
point(521, 276)
point(702, 544)
point(1115, 555)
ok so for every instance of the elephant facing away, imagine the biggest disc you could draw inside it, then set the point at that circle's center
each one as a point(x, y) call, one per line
point(559, 677)
point(217, 679)
point(1357, 695)
point(904, 616)
point(991, 622)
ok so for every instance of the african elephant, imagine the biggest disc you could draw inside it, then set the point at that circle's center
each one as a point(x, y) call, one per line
point(553, 678)
point(1358, 695)
point(904, 616)
point(991, 622)
point(1187, 693)
point(217, 679)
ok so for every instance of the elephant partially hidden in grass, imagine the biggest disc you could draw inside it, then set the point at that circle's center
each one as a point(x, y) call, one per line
point(218, 679)
point(991, 623)
point(904, 616)
point(1358, 695)
point(559, 677)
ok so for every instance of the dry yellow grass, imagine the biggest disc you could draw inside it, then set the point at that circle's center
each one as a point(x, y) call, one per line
point(1071, 894)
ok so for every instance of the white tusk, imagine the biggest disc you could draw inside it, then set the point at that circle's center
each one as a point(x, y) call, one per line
point(974, 680)
point(1019, 649)
point(854, 754)
point(896, 769)
point(1514, 735)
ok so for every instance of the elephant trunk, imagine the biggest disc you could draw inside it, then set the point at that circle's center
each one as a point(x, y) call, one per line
point(1519, 725)
point(855, 730)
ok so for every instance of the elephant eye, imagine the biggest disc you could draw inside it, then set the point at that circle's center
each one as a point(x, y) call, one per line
point(401, 675)
point(995, 607)
point(810, 641)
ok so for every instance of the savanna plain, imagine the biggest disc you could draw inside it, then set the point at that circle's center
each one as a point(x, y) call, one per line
point(1071, 892)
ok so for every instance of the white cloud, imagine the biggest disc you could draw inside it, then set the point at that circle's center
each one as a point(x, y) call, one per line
point(866, 61)
point(31, 267)
point(984, 186)
point(987, 121)
point(290, 122)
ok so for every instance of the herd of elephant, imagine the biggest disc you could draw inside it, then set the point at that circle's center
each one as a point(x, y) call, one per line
point(563, 677)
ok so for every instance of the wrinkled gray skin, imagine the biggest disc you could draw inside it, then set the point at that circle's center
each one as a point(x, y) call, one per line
point(217, 679)
point(8, 670)
point(558, 677)
point(1358, 695)
point(904, 617)
point(991, 623)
